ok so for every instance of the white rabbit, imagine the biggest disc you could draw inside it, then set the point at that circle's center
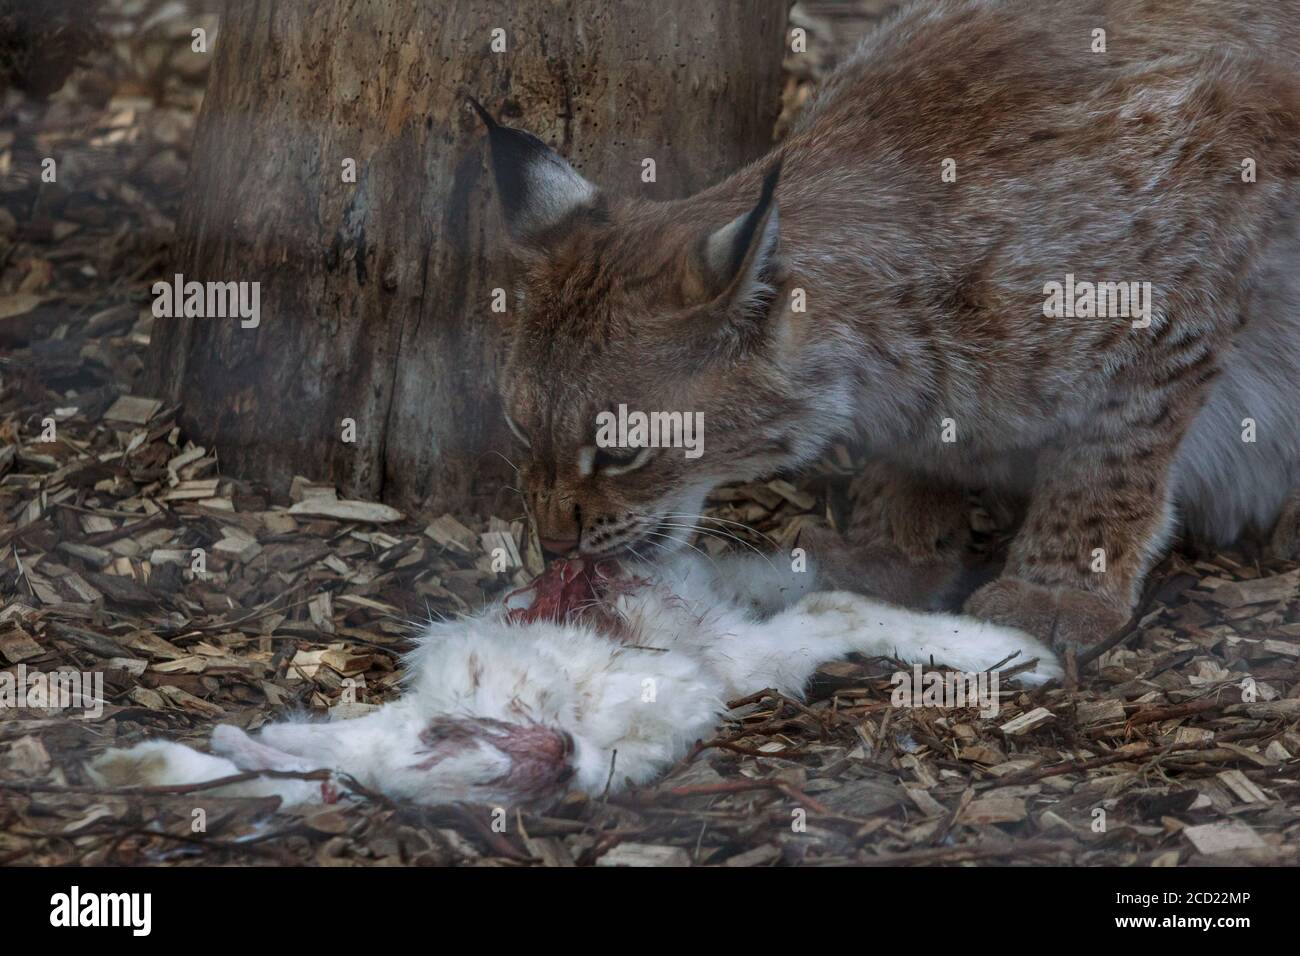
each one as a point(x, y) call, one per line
point(502, 711)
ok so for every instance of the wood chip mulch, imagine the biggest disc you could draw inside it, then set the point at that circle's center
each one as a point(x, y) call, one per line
point(1179, 746)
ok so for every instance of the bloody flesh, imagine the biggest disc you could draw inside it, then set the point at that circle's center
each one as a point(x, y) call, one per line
point(567, 587)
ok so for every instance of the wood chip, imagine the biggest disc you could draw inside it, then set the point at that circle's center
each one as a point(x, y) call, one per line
point(1027, 722)
point(133, 410)
point(501, 544)
point(192, 490)
point(152, 645)
point(925, 803)
point(16, 646)
point(242, 548)
point(800, 499)
point(301, 489)
point(369, 512)
point(450, 533)
point(1104, 711)
point(1242, 786)
point(16, 304)
point(764, 855)
point(993, 809)
point(1279, 587)
point(1211, 838)
point(346, 662)
point(97, 557)
point(644, 854)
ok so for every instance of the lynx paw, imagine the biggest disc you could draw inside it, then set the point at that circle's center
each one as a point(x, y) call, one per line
point(1067, 618)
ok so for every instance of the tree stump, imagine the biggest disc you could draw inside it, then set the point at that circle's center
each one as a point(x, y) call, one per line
point(376, 293)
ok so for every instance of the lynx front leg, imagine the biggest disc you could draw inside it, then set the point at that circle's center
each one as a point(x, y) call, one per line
point(905, 544)
point(1099, 517)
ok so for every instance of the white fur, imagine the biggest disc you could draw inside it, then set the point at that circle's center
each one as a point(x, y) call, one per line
point(699, 634)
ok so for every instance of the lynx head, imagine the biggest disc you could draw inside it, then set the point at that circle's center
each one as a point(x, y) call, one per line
point(631, 312)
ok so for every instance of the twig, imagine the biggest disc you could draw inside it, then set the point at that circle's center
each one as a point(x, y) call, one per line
point(108, 537)
point(1079, 766)
point(163, 789)
point(745, 786)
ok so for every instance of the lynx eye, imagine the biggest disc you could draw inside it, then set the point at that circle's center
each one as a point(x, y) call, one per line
point(612, 461)
point(518, 432)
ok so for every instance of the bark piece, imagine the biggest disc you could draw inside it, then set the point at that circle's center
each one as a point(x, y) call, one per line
point(368, 512)
point(133, 409)
point(1210, 838)
point(1027, 722)
point(644, 854)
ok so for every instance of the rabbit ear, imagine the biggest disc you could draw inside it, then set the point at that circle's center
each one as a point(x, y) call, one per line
point(536, 186)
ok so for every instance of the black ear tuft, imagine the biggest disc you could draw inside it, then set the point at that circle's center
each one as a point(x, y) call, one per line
point(483, 114)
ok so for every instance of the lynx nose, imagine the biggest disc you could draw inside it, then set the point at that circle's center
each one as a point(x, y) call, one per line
point(559, 546)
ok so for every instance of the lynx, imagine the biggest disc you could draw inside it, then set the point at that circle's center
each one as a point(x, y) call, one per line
point(881, 275)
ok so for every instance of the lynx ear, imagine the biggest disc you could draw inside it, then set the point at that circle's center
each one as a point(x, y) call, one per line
point(537, 188)
point(735, 256)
